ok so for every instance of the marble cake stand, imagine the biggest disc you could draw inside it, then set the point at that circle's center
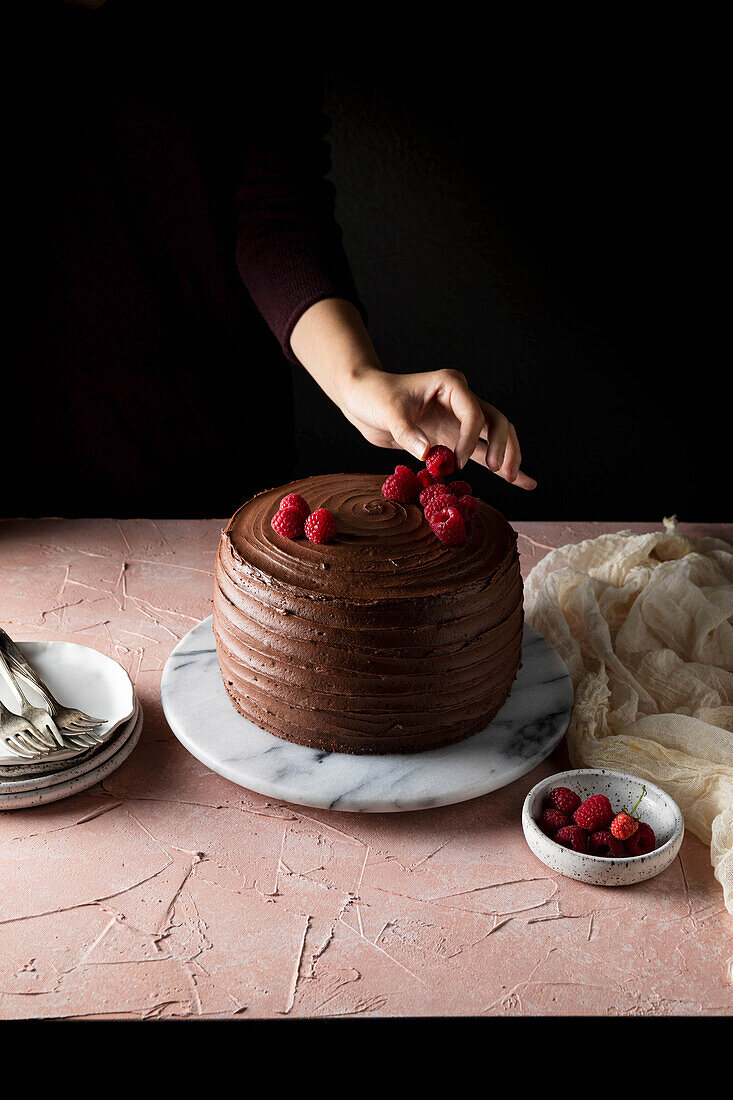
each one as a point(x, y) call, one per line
point(526, 730)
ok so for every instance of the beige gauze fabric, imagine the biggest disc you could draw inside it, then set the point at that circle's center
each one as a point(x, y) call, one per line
point(645, 625)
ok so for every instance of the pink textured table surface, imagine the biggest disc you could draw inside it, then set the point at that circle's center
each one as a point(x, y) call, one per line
point(167, 891)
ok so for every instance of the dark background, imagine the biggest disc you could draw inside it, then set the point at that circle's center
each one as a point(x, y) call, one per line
point(550, 228)
point(544, 210)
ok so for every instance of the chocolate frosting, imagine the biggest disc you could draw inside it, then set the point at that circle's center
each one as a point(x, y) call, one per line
point(384, 640)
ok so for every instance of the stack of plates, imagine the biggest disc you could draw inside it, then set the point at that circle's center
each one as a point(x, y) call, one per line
point(78, 677)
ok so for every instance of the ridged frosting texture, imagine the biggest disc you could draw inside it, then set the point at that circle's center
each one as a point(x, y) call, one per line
point(382, 641)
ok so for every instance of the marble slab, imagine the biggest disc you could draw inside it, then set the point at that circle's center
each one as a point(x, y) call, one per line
point(525, 731)
point(22, 799)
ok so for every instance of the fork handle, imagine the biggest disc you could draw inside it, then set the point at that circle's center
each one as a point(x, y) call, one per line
point(22, 668)
point(5, 713)
point(7, 674)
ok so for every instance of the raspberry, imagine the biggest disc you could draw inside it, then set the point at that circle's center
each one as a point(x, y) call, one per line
point(402, 486)
point(426, 478)
point(320, 526)
point(468, 507)
point(564, 800)
point(431, 492)
point(571, 836)
point(594, 814)
point(642, 841)
point(295, 500)
point(460, 489)
point(448, 525)
point(623, 826)
point(439, 503)
point(440, 461)
point(552, 820)
point(604, 843)
point(288, 522)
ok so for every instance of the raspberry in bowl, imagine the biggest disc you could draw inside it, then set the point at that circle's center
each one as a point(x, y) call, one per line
point(603, 797)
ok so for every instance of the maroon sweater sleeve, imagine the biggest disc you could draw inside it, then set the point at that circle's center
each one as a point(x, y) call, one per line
point(289, 249)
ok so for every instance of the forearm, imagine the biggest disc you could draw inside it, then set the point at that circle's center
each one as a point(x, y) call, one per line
point(289, 249)
point(332, 343)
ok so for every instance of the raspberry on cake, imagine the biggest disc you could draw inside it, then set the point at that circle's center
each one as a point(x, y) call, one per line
point(385, 640)
point(460, 489)
point(468, 507)
point(288, 522)
point(439, 503)
point(432, 492)
point(441, 462)
point(402, 486)
point(426, 478)
point(320, 526)
point(448, 524)
point(295, 500)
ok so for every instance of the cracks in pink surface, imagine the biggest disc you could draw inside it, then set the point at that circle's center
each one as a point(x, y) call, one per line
point(298, 965)
point(513, 994)
point(99, 811)
point(121, 529)
point(339, 990)
point(537, 545)
point(122, 583)
point(686, 885)
point(171, 893)
point(172, 565)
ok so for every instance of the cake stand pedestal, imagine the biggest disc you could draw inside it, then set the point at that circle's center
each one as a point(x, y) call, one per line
point(526, 730)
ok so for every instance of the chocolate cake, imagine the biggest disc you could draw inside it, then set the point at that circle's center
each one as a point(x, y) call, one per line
point(383, 641)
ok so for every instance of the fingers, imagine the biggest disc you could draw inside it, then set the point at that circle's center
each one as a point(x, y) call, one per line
point(510, 468)
point(500, 453)
point(468, 413)
point(524, 481)
point(442, 400)
point(512, 456)
point(406, 435)
point(521, 480)
point(500, 437)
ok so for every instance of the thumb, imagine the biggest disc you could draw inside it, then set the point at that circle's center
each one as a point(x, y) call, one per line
point(408, 437)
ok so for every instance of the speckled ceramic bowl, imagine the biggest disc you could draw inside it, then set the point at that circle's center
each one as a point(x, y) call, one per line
point(657, 809)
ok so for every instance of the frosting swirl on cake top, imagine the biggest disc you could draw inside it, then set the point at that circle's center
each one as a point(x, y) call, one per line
point(383, 549)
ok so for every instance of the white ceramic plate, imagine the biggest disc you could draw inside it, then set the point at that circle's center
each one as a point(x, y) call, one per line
point(23, 799)
point(72, 769)
point(657, 809)
point(79, 677)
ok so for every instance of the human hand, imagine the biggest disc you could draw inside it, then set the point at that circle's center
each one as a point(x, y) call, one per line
point(410, 412)
point(413, 412)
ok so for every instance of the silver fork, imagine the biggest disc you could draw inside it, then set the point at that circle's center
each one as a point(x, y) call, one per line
point(20, 735)
point(40, 719)
point(81, 726)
